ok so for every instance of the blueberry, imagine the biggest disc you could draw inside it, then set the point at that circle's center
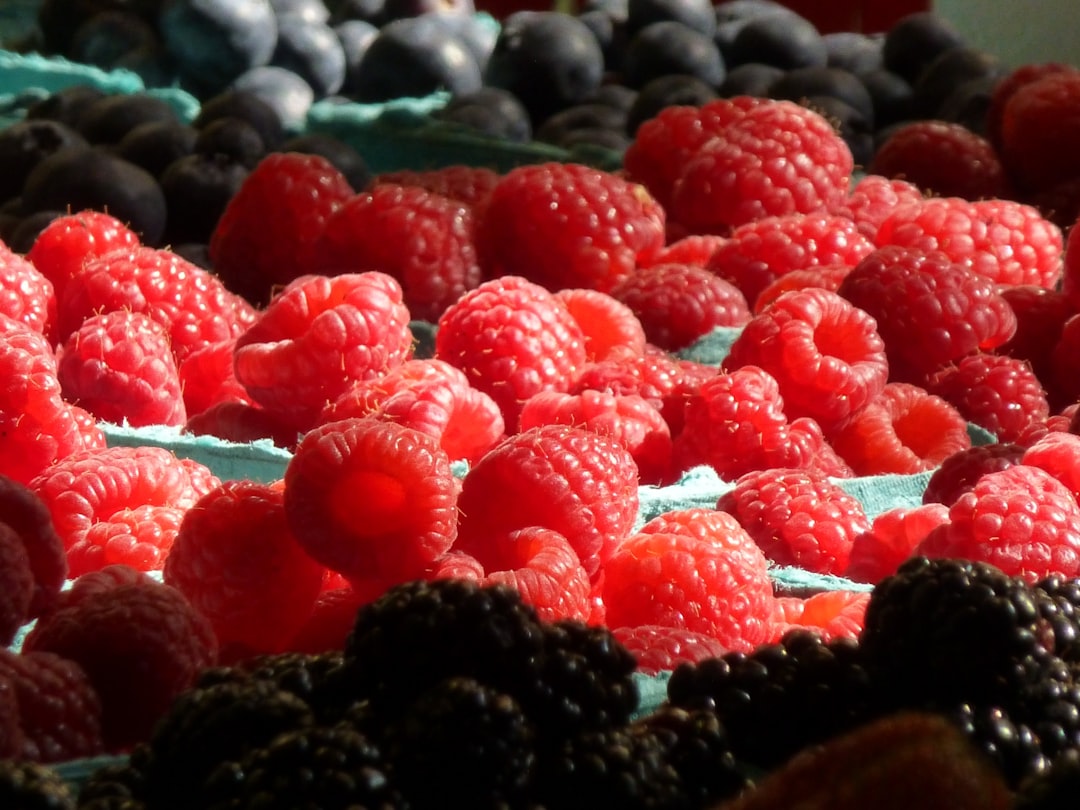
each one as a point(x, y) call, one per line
point(152, 63)
point(915, 41)
point(233, 138)
point(110, 118)
point(667, 48)
point(969, 103)
point(413, 57)
point(618, 10)
point(854, 51)
point(751, 79)
point(547, 59)
point(248, 106)
point(58, 20)
point(197, 188)
point(310, 10)
point(106, 37)
point(891, 94)
point(156, 144)
point(26, 143)
point(558, 127)
point(476, 34)
point(66, 105)
point(198, 253)
point(343, 156)
point(667, 91)
point(312, 51)
point(215, 41)
point(592, 138)
point(733, 15)
point(946, 72)
point(399, 9)
point(369, 11)
point(618, 96)
point(697, 14)
point(492, 111)
point(610, 33)
point(856, 130)
point(78, 178)
point(355, 37)
point(785, 40)
point(25, 232)
point(826, 81)
point(286, 93)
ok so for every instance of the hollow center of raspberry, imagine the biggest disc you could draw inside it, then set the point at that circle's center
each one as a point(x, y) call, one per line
point(840, 342)
point(369, 502)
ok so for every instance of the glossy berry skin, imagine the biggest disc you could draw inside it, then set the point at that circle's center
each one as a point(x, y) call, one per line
point(873, 199)
point(214, 41)
point(26, 294)
point(1038, 123)
point(892, 537)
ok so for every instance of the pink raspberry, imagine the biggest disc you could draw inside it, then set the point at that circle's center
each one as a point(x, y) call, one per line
point(29, 518)
point(873, 199)
point(659, 649)
point(513, 339)
point(1021, 519)
point(1059, 454)
point(317, 337)
point(577, 482)
point(760, 252)
point(695, 569)
point(824, 353)
point(566, 225)
point(957, 473)
point(607, 323)
point(26, 294)
point(797, 517)
point(892, 537)
point(140, 537)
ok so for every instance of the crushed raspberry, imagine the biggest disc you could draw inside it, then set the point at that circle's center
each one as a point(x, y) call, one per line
point(958, 472)
point(996, 392)
point(607, 323)
point(208, 378)
point(1005, 87)
point(513, 339)
point(371, 499)
point(26, 294)
point(319, 336)
point(778, 158)
point(660, 649)
point(695, 569)
point(873, 199)
point(1040, 317)
point(797, 517)
point(420, 238)
point(830, 614)
point(59, 710)
point(825, 277)
point(677, 303)
point(28, 516)
point(893, 536)
point(238, 563)
point(694, 249)
point(16, 584)
point(906, 290)
point(94, 485)
point(632, 420)
point(141, 644)
point(471, 185)
point(242, 423)
point(1039, 127)
point(1059, 454)
point(1020, 519)
point(1004, 241)
point(547, 573)
point(760, 252)
point(577, 482)
point(905, 430)
point(190, 302)
point(139, 538)
point(266, 235)
point(942, 158)
point(70, 241)
point(825, 354)
point(119, 366)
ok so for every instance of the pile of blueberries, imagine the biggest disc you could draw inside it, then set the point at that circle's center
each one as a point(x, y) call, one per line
point(590, 77)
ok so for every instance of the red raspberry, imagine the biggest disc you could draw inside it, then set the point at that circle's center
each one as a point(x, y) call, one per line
point(1001, 240)
point(574, 481)
point(824, 353)
point(471, 185)
point(893, 535)
point(958, 472)
point(1021, 519)
point(830, 614)
point(695, 249)
point(996, 392)
point(331, 621)
point(905, 430)
point(1006, 87)
point(1040, 317)
point(28, 516)
point(37, 426)
point(760, 252)
point(628, 418)
point(797, 517)
point(513, 339)
point(1064, 379)
point(959, 311)
point(26, 294)
point(548, 573)
point(242, 423)
point(238, 563)
point(1040, 125)
point(607, 323)
point(141, 644)
point(266, 236)
point(778, 158)
point(662, 145)
point(11, 734)
point(942, 158)
point(371, 500)
point(191, 303)
point(655, 376)
point(70, 241)
point(140, 538)
point(59, 710)
point(120, 367)
point(695, 569)
point(677, 303)
point(660, 649)
point(422, 239)
point(317, 337)
point(1070, 281)
point(568, 225)
point(16, 584)
point(94, 485)
point(1059, 454)
point(873, 199)
point(825, 277)
point(207, 377)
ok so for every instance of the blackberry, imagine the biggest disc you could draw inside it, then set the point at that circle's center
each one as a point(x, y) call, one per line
point(462, 744)
point(942, 632)
point(1055, 788)
point(31, 786)
point(1060, 606)
point(321, 766)
point(802, 689)
point(1011, 746)
point(1049, 704)
point(112, 785)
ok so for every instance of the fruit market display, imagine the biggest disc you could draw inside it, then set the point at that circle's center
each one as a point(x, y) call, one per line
point(677, 486)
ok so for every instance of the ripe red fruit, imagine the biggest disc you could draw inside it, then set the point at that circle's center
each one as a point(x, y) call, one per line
point(471, 185)
point(1039, 128)
point(26, 294)
point(139, 537)
point(607, 324)
point(873, 199)
point(16, 584)
point(659, 649)
point(893, 536)
point(830, 614)
point(29, 518)
point(957, 473)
